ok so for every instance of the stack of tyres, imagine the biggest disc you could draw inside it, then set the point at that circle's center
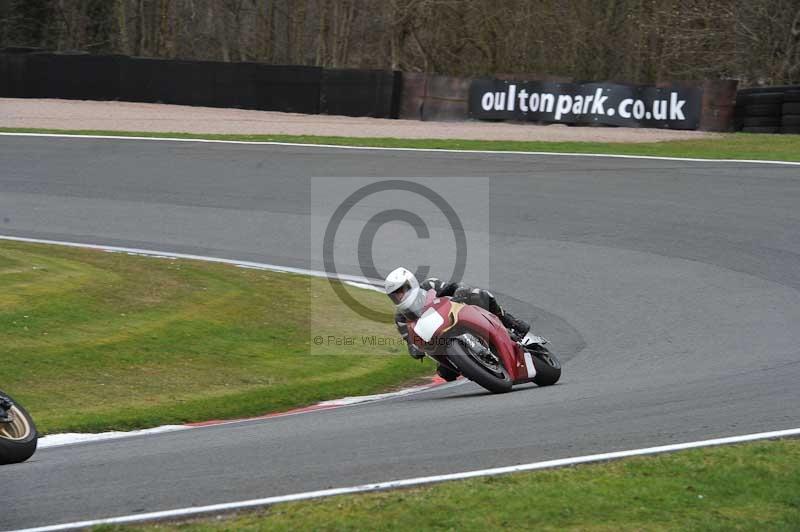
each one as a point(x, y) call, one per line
point(738, 113)
point(790, 121)
point(762, 112)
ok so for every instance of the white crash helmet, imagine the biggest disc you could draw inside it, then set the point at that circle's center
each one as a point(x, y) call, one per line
point(403, 289)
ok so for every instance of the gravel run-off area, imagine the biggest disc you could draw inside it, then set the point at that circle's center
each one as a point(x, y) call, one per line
point(128, 116)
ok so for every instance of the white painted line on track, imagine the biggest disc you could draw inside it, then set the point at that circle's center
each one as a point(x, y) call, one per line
point(378, 148)
point(355, 280)
point(198, 510)
point(71, 438)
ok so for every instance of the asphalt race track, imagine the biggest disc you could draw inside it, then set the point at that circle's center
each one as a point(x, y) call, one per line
point(670, 288)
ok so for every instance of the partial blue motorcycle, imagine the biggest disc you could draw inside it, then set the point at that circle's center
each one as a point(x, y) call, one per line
point(18, 436)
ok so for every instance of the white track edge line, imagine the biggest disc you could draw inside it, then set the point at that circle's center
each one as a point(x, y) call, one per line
point(361, 281)
point(63, 439)
point(379, 148)
point(197, 510)
point(69, 439)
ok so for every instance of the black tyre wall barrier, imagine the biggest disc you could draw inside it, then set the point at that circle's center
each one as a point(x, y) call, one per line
point(298, 89)
point(141, 81)
point(235, 85)
point(374, 93)
point(184, 82)
point(768, 109)
point(764, 109)
point(216, 84)
point(84, 77)
point(165, 81)
point(17, 75)
point(5, 76)
point(790, 118)
point(292, 89)
point(13, 74)
point(136, 79)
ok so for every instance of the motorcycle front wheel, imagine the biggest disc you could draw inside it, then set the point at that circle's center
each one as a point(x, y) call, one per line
point(491, 375)
point(18, 438)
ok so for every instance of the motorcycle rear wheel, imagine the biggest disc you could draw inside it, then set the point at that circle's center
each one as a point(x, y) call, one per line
point(464, 360)
point(18, 439)
point(548, 367)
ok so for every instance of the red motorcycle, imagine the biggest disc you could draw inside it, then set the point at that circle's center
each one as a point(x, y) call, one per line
point(473, 342)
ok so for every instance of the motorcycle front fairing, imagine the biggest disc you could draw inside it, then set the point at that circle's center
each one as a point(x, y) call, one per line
point(480, 322)
point(424, 332)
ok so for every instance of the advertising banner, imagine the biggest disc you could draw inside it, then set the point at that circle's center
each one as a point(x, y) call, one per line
point(586, 103)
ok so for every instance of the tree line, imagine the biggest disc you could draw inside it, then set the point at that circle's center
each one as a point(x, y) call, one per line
point(640, 41)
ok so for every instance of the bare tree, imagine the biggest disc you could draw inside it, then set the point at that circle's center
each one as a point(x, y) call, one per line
point(757, 41)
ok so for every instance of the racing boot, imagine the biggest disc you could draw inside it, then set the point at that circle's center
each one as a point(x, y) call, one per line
point(5, 410)
point(446, 373)
point(518, 327)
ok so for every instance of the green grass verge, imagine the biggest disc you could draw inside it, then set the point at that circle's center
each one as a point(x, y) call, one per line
point(727, 146)
point(96, 341)
point(744, 487)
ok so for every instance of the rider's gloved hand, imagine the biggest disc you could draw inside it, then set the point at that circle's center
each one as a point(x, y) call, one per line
point(415, 352)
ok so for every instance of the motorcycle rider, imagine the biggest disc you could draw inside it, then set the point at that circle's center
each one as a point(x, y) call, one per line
point(408, 296)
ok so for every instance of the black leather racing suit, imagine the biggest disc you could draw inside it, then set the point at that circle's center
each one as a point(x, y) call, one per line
point(462, 294)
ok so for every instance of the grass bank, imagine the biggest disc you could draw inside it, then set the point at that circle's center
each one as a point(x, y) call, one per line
point(744, 487)
point(95, 341)
point(728, 146)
